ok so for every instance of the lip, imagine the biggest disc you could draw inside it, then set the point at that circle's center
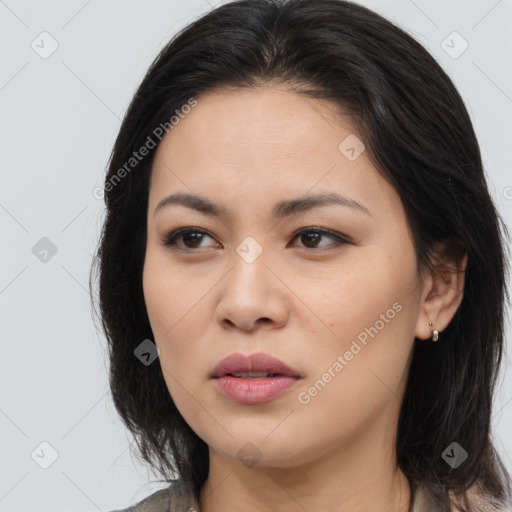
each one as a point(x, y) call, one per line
point(239, 363)
point(258, 390)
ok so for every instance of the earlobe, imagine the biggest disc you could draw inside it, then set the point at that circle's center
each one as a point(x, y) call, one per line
point(442, 294)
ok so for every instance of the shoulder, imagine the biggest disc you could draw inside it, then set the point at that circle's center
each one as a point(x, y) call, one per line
point(177, 497)
point(425, 502)
point(482, 504)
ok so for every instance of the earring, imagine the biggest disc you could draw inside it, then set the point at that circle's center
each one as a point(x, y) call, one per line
point(435, 333)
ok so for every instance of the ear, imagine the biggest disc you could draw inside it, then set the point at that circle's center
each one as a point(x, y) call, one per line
point(443, 287)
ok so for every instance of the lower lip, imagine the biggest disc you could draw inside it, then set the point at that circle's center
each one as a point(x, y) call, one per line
point(254, 391)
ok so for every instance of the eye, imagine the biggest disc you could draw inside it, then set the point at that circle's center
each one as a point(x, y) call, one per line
point(190, 235)
point(311, 236)
point(192, 238)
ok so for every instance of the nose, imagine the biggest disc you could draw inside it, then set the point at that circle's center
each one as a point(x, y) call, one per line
point(252, 296)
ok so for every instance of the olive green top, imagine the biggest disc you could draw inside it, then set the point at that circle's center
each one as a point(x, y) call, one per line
point(179, 497)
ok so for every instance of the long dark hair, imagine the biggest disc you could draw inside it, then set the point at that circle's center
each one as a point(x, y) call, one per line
point(419, 136)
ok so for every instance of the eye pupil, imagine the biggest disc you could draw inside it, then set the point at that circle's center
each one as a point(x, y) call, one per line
point(311, 237)
point(196, 238)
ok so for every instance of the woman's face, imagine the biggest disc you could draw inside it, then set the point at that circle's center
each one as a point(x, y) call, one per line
point(338, 303)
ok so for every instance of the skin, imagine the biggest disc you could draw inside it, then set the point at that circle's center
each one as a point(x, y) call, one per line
point(303, 300)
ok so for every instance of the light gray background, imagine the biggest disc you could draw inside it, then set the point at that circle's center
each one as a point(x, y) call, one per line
point(59, 118)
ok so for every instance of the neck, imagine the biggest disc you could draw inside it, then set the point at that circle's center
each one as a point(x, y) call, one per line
point(357, 477)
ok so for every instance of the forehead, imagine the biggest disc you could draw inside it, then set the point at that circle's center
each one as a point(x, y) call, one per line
point(252, 145)
point(267, 118)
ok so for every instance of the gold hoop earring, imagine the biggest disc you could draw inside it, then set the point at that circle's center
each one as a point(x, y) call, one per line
point(435, 333)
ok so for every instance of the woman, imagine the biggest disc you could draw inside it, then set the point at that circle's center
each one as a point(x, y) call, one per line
point(301, 271)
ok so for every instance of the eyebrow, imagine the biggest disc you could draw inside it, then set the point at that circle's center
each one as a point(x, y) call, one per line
point(280, 210)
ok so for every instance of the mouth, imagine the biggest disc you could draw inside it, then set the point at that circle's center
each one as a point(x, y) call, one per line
point(253, 367)
point(253, 375)
point(254, 379)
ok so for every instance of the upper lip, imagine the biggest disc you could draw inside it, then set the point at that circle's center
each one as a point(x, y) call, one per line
point(240, 363)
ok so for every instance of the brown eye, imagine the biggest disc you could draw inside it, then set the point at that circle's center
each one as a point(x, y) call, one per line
point(192, 238)
point(311, 237)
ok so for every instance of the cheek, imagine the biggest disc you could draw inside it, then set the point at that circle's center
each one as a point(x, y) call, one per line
point(174, 307)
point(371, 316)
point(348, 298)
point(172, 298)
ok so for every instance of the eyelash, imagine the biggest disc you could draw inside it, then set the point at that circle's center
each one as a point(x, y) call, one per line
point(170, 240)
